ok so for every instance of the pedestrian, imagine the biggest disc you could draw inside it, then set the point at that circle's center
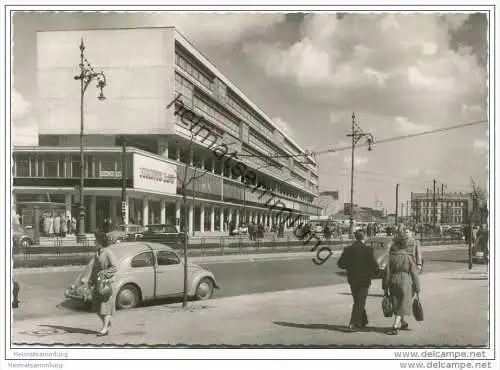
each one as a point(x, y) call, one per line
point(361, 265)
point(401, 282)
point(103, 268)
point(412, 246)
point(64, 226)
point(73, 225)
point(57, 225)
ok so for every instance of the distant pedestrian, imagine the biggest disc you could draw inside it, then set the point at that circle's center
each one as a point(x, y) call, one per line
point(64, 226)
point(401, 282)
point(361, 265)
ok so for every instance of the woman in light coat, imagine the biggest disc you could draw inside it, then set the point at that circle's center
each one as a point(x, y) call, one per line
point(103, 267)
point(401, 282)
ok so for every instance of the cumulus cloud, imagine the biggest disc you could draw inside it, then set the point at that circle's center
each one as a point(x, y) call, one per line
point(388, 64)
point(219, 28)
point(21, 108)
point(285, 126)
point(480, 145)
point(406, 126)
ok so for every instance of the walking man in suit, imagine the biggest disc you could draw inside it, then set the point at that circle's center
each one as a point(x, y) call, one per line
point(360, 264)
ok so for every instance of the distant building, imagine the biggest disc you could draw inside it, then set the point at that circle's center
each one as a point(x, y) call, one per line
point(329, 202)
point(448, 208)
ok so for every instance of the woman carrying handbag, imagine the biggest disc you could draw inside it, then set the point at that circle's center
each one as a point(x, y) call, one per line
point(401, 282)
point(101, 280)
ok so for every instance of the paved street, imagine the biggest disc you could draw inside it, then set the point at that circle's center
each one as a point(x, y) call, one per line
point(42, 293)
point(308, 316)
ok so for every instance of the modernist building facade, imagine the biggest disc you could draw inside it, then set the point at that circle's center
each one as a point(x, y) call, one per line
point(448, 208)
point(152, 74)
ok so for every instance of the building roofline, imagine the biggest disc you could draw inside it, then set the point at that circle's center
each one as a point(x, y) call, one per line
point(187, 43)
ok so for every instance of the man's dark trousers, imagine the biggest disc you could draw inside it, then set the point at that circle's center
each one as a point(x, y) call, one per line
point(359, 291)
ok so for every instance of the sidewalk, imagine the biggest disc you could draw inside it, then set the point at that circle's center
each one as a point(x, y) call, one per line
point(455, 306)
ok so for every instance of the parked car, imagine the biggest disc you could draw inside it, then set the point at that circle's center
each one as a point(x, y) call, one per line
point(124, 232)
point(160, 233)
point(381, 247)
point(22, 237)
point(454, 232)
point(147, 271)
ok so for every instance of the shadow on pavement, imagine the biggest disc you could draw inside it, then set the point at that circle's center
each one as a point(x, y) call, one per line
point(339, 328)
point(71, 330)
point(469, 278)
point(464, 261)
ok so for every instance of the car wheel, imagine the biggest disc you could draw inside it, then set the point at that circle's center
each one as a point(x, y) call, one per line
point(25, 243)
point(205, 289)
point(127, 297)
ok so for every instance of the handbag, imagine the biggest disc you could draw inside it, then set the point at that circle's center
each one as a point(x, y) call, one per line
point(387, 306)
point(104, 287)
point(418, 311)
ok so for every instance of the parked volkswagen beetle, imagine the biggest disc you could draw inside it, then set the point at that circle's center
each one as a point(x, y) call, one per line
point(148, 271)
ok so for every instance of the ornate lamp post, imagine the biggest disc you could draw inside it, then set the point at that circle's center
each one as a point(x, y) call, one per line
point(87, 74)
point(356, 134)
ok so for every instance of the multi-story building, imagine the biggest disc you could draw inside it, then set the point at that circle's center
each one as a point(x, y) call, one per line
point(151, 74)
point(330, 203)
point(448, 208)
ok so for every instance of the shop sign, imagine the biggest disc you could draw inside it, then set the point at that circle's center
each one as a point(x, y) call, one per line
point(110, 174)
point(154, 175)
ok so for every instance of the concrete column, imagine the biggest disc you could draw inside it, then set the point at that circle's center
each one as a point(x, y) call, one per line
point(112, 211)
point(131, 208)
point(212, 219)
point(163, 146)
point(93, 213)
point(178, 154)
point(145, 211)
point(177, 215)
point(221, 219)
point(191, 157)
point(190, 217)
point(213, 164)
point(67, 201)
point(237, 218)
point(202, 218)
point(230, 215)
point(162, 211)
point(202, 162)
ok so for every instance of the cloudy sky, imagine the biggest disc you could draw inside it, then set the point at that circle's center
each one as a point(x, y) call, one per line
point(400, 74)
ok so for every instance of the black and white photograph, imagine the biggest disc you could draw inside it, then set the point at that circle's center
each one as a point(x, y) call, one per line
point(193, 179)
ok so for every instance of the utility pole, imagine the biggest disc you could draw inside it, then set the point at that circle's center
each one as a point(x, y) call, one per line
point(356, 134)
point(427, 203)
point(434, 204)
point(124, 183)
point(397, 202)
point(407, 209)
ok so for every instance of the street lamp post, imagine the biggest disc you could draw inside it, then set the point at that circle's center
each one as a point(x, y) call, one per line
point(356, 135)
point(87, 74)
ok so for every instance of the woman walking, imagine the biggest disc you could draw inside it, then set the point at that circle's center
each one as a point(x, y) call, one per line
point(401, 282)
point(101, 274)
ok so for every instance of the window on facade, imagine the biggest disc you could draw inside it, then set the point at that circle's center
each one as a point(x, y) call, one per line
point(183, 63)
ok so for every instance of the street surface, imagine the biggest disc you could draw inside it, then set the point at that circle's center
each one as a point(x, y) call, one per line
point(455, 303)
point(42, 293)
